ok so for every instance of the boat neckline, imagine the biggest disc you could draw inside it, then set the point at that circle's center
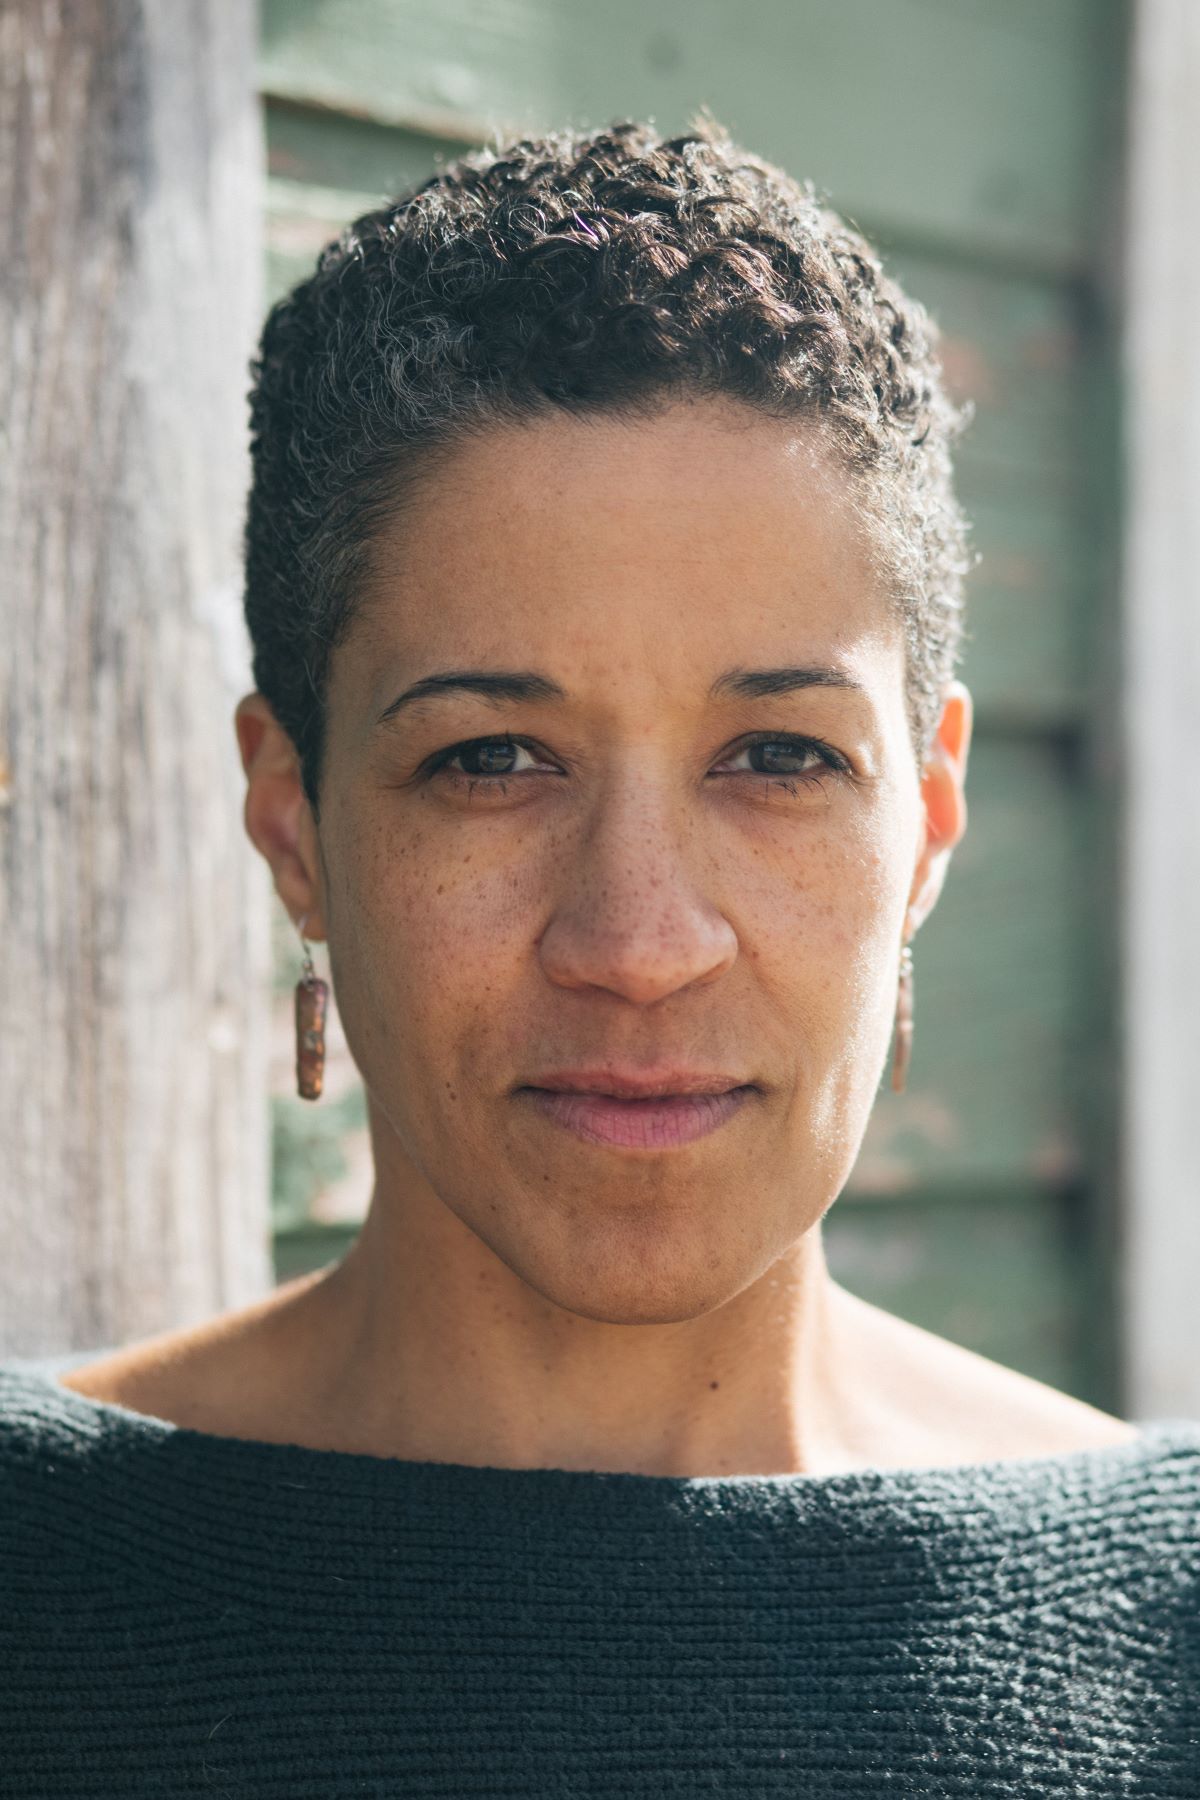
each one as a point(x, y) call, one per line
point(1152, 1436)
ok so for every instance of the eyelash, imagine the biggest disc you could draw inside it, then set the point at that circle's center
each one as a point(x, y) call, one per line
point(832, 760)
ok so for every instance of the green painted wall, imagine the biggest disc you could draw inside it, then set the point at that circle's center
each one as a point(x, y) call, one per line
point(978, 142)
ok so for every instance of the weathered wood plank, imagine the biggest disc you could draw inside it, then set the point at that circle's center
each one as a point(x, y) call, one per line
point(991, 1087)
point(1010, 1272)
point(133, 1107)
point(1159, 726)
point(1016, 347)
point(328, 149)
point(960, 123)
point(1028, 653)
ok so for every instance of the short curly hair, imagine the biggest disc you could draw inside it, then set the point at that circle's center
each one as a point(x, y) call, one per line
point(594, 272)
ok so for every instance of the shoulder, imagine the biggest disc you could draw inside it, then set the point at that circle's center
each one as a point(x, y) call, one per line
point(949, 1405)
point(222, 1376)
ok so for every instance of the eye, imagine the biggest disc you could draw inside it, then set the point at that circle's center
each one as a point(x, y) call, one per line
point(786, 758)
point(483, 765)
point(481, 758)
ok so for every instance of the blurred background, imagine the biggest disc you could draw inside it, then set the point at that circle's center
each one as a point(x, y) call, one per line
point(1020, 164)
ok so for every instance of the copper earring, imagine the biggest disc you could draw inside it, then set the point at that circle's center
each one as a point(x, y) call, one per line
point(312, 1000)
point(904, 1021)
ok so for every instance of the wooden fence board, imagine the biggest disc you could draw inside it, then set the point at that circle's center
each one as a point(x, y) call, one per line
point(966, 123)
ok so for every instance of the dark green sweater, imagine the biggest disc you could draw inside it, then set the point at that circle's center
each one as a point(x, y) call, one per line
point(188, 1614)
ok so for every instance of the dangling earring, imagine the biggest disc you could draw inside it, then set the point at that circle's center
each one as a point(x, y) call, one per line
point(904, 1021)
point(312, 999)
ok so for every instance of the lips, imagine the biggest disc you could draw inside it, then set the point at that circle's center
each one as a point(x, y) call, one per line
point(643, 1110)
point(645, 1084)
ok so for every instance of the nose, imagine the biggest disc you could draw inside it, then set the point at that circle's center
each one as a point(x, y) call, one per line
point(632, 918)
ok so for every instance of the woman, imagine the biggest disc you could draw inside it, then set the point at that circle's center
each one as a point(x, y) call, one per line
point(604, 575)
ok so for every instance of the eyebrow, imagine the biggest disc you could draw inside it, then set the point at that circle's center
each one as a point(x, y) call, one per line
point(518, 685)
point(758, 684)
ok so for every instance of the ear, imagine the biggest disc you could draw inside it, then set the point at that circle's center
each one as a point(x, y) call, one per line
point(943, 799)
point(277, 815)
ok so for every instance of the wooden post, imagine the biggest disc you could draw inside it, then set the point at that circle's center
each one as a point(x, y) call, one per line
point(1161, 734)
point(134, 927)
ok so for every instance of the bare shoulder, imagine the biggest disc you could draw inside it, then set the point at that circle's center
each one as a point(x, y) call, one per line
point(952, 1405)
point(214, 1377)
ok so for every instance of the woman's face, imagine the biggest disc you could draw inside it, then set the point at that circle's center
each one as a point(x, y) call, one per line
point(583, 822)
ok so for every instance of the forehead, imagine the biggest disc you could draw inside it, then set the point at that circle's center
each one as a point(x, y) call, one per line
point(641, 550)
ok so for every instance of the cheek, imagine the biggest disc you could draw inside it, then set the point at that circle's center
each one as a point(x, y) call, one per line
point(437, 934)
point(822, 907)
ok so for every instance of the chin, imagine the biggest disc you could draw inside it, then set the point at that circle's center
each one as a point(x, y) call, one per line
point(616, 1307)
point(640, 1278)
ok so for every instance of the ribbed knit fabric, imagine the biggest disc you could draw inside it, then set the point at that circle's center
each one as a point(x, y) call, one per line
point(182, 1613)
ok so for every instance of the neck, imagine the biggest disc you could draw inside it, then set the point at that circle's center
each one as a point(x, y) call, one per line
point(426, 1346)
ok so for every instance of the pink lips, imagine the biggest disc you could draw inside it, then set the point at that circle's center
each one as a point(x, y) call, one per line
point(639, 1112)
